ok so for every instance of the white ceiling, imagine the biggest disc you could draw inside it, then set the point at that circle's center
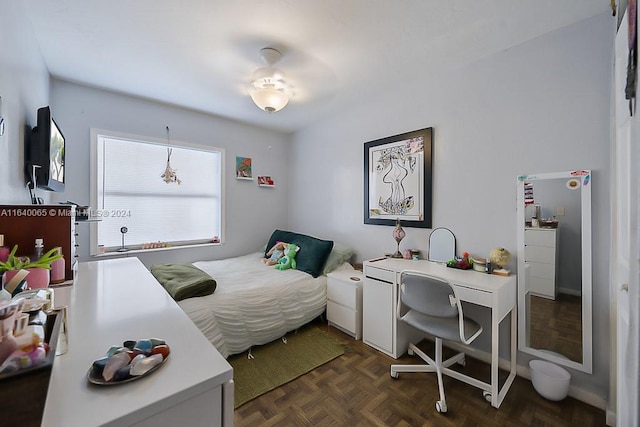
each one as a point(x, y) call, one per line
point(201, 54)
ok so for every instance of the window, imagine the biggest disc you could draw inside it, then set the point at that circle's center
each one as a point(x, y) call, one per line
point(128, 191)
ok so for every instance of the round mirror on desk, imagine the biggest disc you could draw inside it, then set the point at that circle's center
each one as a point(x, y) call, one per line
point(442, 245)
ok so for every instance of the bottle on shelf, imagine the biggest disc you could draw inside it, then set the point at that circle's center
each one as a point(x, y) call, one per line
point(39, 250)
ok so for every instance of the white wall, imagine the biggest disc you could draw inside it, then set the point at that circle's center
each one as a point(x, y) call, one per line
point(24, 87)
point(252, 212)
point(539, 107)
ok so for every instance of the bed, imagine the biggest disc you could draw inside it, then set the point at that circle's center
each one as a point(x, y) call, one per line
point(254, 304)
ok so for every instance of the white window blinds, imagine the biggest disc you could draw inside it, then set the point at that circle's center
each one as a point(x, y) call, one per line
point(131, 193)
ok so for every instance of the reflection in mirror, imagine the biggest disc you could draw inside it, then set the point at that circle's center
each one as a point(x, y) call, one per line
point(442, 245)
point(554, 267)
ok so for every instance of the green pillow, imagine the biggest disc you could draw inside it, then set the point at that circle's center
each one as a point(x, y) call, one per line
point(313, 252)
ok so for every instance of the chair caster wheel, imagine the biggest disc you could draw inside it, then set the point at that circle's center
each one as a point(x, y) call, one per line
point(394, 375)
point(487, 396)
point(441, 406)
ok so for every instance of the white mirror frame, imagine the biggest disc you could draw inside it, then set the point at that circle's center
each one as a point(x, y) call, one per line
point(585, 178)
point(442, 245)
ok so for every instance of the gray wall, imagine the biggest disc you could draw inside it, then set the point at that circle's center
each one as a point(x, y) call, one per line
point(542, 106)
point(24, 87)
point(252, 212)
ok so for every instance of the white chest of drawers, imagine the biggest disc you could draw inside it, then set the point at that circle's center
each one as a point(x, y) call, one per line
point(541, 253)
point(344, 301)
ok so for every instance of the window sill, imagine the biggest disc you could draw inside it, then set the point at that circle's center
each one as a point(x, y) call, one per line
point(141, 251)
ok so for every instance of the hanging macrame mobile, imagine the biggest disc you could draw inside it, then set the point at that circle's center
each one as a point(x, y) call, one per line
point(169, 174)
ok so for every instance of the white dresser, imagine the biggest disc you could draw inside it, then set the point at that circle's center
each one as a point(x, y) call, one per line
point(117, 300)
point(344, 301)
point(541, 254)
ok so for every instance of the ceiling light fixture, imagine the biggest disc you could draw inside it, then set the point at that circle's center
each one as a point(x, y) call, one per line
point(269, 90)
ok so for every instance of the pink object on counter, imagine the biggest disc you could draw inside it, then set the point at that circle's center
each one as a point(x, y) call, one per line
point(4, 251)
point(4, 254)
point(57, 269)
point(37, 277)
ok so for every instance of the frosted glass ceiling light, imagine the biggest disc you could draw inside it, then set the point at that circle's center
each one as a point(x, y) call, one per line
point(269, 90)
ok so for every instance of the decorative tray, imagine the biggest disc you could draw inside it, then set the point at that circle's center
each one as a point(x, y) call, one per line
point(129, 362)
point(95, 377)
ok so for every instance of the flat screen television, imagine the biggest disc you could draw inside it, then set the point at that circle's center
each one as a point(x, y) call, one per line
point(47, 150)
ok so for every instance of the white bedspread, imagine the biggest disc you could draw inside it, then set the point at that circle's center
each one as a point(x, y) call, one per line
point(253, 303)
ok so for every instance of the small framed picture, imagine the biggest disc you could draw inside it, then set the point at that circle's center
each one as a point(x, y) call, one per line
point(265, 181)
point(243, 168)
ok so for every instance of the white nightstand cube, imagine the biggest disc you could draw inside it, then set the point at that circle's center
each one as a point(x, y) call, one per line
point(344, 301)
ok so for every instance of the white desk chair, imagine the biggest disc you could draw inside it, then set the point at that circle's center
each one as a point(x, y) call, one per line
point(435, 309)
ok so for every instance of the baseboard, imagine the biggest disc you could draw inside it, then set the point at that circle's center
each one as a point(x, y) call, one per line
point(524, 372)
point(568, 291)
point(611, 418)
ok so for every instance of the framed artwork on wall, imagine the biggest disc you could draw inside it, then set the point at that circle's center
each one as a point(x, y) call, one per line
point(265, 181)
point(243, 168)
point(398, 176)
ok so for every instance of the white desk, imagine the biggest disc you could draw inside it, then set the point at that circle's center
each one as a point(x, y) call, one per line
point(110, 302)
point(384, 332)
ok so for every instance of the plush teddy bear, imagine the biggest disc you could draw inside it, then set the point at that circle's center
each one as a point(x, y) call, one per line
point(275, 253)
point(288, 260)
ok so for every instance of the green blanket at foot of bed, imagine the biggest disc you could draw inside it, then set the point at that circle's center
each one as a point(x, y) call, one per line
point(183, 280)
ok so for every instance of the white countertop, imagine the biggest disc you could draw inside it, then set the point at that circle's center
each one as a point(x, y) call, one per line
point(110, 302)
point(476, 279)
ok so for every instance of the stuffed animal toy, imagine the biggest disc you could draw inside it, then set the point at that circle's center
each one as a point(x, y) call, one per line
point(288, 260)
point(275, 253)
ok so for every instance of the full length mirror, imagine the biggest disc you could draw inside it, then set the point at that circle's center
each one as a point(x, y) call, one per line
point(554, 267)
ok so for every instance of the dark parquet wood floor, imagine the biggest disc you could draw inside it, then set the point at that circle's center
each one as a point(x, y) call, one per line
point(356, 390)
point(557, 325)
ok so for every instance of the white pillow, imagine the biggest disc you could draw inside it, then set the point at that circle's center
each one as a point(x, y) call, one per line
point(339, 255)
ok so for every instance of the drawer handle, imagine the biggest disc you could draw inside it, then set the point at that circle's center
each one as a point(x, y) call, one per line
point(354, 279)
